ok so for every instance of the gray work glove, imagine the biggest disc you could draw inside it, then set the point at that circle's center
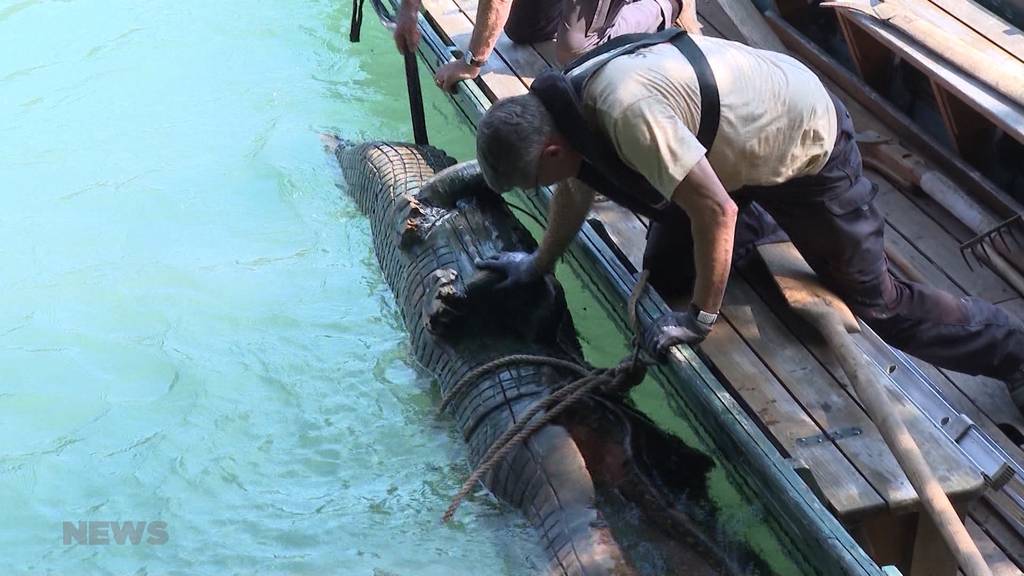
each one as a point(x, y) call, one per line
point(673, 328)
point(519, 268)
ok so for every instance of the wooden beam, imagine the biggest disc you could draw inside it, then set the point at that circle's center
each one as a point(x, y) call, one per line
point(895, 121)
point(740, 20)
point(992, 27)
point(871, 58)
point(970, 131)
point(1004, 111)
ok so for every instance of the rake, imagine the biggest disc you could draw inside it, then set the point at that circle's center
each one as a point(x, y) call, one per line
point(978, 246)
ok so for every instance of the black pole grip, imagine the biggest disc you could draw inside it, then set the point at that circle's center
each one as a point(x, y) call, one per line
point(412, 81)
point(357, 21)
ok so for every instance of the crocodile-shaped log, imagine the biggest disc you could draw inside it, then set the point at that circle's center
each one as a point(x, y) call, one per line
point(428, 230)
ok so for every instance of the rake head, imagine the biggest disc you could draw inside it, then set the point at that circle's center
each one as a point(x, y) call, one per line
point(978, 246)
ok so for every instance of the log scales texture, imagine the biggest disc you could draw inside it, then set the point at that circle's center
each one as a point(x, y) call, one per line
point(426, 247)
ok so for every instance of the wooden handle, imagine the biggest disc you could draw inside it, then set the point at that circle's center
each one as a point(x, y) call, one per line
point(904, 448)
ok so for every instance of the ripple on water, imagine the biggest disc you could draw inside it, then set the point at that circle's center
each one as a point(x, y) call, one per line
point(195, 328)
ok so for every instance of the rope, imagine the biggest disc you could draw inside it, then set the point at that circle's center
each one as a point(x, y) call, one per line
point(614, 381)
point(634, 299)
point(468, 379)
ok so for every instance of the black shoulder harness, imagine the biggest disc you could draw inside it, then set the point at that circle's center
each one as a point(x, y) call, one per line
point(602, 168)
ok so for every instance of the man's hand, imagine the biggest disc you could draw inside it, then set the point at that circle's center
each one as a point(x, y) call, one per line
point(452, 73)
point(518, 267)
point(407, 33)
point(674, 328)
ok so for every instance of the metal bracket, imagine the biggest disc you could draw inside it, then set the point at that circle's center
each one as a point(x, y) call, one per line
point(832, 435)
point(994, 464)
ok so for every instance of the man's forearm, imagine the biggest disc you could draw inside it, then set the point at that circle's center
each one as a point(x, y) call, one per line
point(713, 234)
point(713, 223)
point(569, 207)
point(491, 16)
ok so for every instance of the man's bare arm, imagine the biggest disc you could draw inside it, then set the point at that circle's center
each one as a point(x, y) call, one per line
point(569, 207)
point(407, 32)
point(713, 221)
point(491, 16)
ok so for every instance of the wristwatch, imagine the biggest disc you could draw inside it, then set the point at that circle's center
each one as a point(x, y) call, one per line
point(473, 61)
point(705, 318)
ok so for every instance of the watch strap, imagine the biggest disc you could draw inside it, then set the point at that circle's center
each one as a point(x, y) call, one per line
point(472, 60)
point(706, 318)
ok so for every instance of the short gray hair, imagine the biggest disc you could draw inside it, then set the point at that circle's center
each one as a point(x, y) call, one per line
point(510, 139)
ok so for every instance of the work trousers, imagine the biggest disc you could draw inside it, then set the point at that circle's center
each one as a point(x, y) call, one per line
point(834, 223)
point(580, 25)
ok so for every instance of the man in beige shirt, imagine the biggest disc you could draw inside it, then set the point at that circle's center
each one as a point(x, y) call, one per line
point(782, 141)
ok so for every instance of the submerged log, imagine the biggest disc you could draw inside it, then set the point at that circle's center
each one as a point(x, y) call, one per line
point(584, 479)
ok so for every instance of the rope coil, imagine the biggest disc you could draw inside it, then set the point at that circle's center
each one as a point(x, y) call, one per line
point(610, 381)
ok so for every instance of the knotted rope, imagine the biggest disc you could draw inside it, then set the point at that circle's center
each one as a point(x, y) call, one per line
point(610, 381)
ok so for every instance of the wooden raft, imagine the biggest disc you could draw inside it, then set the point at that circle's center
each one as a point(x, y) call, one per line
point(779, 368)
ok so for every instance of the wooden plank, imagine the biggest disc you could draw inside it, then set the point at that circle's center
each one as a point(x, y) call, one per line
point(992, 27)
point(871, 58)
point(846, 491)
point(496, 79)
point(996, 107)
point(1003, 530)
point(707, 28)
point(888, 538)
point(960, 231)
point(931, 556)
point(967, 127)
point(740, 20)
point(625, 228)
point(958, 476)
point(548, 52)
point(991, 396)
point(924, 233)
point(795, 353)
point(928, 27)
point(998, 561)
point(932, 275)
point(522, 59)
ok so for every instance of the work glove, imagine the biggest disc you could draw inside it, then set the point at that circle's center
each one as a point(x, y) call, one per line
point(673, 328)
point(519, 268)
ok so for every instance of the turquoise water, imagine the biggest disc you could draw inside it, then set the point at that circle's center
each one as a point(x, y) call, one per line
point(195, 330)
point(194, 327)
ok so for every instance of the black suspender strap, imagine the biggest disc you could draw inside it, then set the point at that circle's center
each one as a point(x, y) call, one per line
point(710, 104)
point(602, 168)
point(580, 70)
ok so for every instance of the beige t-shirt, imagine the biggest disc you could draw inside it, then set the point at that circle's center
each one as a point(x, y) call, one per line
point(777, 120)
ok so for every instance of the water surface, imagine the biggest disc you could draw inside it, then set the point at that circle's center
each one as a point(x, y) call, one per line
point(194, 329)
